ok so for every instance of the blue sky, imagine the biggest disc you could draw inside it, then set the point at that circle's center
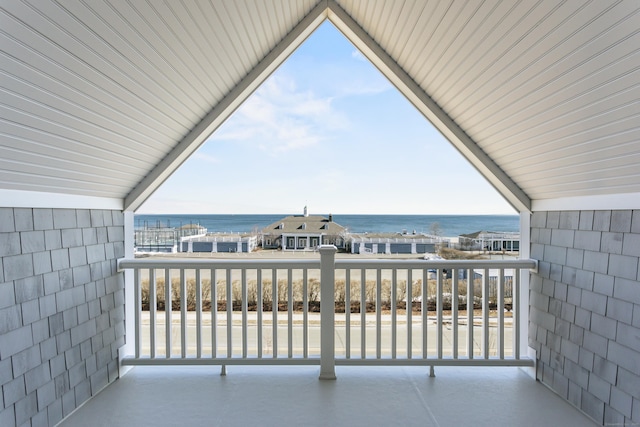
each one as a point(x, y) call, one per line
point(326, 130)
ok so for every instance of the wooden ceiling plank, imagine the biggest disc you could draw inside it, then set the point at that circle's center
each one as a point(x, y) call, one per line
point(408, 87)
point(225, 108)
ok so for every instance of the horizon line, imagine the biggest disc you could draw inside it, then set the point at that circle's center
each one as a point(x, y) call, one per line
point(330, 213)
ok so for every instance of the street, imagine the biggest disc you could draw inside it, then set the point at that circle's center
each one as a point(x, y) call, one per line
point(297, 339)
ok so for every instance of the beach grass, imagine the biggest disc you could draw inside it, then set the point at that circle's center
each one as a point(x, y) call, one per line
point(313, 294)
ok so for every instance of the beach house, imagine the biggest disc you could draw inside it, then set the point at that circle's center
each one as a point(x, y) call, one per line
point(394, 243)
point(102, 101)
point(303, 233)
point(219, 242)
point(490, 241)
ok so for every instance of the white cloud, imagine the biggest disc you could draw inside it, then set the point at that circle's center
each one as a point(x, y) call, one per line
point(375, 160)
point(356, 54)
point(359, 86)
point(280, 117)
point(207, 158)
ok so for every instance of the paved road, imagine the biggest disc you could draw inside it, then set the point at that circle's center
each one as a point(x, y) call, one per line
point(296, 332)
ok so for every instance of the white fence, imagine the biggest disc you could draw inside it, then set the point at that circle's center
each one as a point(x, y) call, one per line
point(381, 312)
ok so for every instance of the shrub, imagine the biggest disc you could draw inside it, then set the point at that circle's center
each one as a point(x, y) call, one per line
point(313, 294)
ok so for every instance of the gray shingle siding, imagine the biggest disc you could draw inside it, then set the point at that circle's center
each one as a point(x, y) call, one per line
point(595, 257)
point(59, 289)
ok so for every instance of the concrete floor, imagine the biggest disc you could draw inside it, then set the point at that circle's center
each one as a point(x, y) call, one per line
point(361, 396)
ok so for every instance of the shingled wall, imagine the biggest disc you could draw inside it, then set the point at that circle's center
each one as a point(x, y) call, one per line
point(61, 310)
point(585, 310)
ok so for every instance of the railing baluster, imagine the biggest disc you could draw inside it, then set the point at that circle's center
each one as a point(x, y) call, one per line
point(229, 313)
point(305, 314)
point(409, 310)
point(470, 307)
point(183, 314)
point(290, 313)
point(379, 314)
point(394, 321)
point(500, 340)
point(245, 326)
point(259, 310)
point(485, 314)
point(168, 308)
point(198, 314)
point(152, 312)
point(439, 306)
point(454, 310)
point(214, 314)
point(137, 289)
point(274, 311)
point(363, 313)
point(515, 309)
point(347, 312)
point(424, 310)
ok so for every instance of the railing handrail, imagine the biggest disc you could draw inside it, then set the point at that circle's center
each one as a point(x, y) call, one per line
point(125, 263)
point(340, 263)
point(436, 264)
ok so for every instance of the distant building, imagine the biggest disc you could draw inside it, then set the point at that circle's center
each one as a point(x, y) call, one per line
point(164, 239)
point(491, 241)
point(303, 232)
point(223, 242)
point(394, 243)
point(191, 230)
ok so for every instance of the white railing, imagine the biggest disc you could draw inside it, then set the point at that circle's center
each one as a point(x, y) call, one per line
point(382, 312)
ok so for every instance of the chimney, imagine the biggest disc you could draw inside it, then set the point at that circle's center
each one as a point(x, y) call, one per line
point(306, 213)
point(330, 218)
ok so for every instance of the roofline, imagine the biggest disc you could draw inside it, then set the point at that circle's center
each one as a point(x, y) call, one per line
point(40, 199)
point(608, 202)
point(226, 107)
point(429, 108)
point(329, 9)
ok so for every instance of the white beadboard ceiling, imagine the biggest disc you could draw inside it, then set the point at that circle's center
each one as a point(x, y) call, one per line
point(106, 98)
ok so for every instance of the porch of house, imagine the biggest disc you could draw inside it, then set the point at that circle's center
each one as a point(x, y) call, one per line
point(293, 395)
point(382, 375)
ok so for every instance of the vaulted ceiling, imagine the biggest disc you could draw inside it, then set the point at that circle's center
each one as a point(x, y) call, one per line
point(102, 100)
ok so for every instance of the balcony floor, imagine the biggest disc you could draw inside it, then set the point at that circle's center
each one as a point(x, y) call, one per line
point(366, 396)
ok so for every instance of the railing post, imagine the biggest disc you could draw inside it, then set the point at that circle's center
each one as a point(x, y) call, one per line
point(327, 312)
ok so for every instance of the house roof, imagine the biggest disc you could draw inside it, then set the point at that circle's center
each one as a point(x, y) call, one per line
point(300, 224)
point(102, 101)
point(393, 236)
point(491, 234)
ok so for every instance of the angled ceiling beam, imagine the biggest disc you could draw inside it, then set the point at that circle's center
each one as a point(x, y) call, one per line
point(199, 134)
point(429, 108)
point(389, 68)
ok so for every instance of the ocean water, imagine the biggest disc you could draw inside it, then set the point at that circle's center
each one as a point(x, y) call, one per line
point(449, 225)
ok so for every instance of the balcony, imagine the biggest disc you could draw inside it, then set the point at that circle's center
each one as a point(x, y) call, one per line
point(361, 396)
point(460, 320)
